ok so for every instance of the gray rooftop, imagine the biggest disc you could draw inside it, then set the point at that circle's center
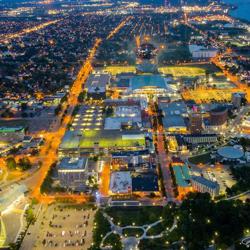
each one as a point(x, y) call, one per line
point(68, 163)
point(173, 121)
point(173, 108)
point(97, 82)
point(206, 182)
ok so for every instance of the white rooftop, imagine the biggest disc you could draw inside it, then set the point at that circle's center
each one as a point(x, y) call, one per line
point(120, 182)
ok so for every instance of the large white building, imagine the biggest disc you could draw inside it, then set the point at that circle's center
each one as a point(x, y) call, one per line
point(200, 52)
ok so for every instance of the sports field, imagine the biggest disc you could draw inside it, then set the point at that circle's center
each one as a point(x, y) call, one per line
point(114, 70)
point(176, 71)
point(207, 95)
point(184, 71)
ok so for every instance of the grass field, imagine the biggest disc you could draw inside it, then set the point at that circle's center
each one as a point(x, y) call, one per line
point(203, 158)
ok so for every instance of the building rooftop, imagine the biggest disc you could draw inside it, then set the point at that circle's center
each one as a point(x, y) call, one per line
point(120, 182)
point(173, 121)
point(145, 182)
point(123, 83)
point(142, 81)
point(173, 108)
point(219, 109)
point(230, 152)
point(113, 123)
point(97, 82)
point(195, 48)
point(11, 129)
point(123, 115)
point(130, 153)
point(182, 175)
point(105, 138)
point(206, 182)
point(68, 163)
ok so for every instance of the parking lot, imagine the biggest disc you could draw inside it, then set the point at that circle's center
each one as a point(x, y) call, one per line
point(222, 176)
point(61, 227)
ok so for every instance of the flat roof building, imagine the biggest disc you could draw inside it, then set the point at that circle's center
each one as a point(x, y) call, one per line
point(96, 85)
point(146, 182)
point(174, 123)
point(120, 182)
point(174, 114)
point(72, 172)
point(92, 140)
point(12, 134)
point(126, 182)
point(173, 108)
point(182, 175)
point(203, 185)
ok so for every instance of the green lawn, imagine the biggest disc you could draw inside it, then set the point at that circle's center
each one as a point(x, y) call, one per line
point(203, 158)
point(139, 216)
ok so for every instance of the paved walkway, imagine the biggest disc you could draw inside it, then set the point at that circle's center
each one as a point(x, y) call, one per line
point(131, 243)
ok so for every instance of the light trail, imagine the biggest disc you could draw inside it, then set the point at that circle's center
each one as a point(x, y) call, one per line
point(117, 28)
point(138, 42)
point(53, 140)
point(6, 37)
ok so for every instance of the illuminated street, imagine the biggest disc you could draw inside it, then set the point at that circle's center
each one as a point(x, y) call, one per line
point(124, 125)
